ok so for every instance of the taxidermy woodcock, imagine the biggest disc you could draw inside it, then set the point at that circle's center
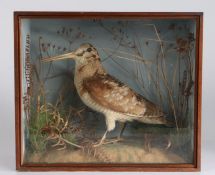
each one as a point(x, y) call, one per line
point(106, 94)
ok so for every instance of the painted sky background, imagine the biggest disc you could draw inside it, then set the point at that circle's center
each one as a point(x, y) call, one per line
point(138, 31)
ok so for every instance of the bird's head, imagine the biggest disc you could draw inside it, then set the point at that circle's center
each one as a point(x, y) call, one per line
point(85, 54)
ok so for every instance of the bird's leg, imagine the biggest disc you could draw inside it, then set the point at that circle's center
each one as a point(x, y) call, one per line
point(102, 139)
point(122, 127)
point(110, 122)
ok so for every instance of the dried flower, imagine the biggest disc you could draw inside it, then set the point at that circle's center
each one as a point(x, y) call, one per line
point(147, 43)
point(182, 45)
point(191, 37)
point(179, 28)
point(172, 26)
point(63, 30)
point(43, 47)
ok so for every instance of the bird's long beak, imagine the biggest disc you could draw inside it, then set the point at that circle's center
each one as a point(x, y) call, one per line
point(70, 55)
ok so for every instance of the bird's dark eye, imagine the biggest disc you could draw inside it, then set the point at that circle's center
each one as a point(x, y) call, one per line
point(89, 49)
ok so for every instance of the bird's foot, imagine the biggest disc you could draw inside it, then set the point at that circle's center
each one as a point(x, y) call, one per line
point(109, 141)
point(113, 140)
point(119, 139)
point(97, 144)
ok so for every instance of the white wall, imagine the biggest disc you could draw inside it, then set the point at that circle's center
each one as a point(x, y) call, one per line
point(7, 125)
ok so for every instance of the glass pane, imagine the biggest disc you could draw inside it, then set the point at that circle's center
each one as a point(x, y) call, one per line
point(124, 93)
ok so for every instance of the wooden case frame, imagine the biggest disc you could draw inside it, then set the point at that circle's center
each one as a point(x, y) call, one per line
point(198, 16)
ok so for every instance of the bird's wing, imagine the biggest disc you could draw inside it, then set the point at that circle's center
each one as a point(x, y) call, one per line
point(113, 94)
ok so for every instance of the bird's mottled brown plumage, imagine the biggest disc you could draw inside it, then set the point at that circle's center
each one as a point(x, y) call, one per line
point(113, 94)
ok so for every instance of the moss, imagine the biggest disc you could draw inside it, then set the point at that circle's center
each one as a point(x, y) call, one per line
point(36, 136)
